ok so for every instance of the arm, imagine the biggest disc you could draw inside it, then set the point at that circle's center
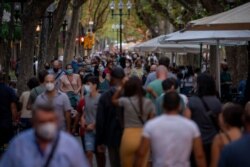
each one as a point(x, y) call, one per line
point(79, 84)
point(215, 152)
point(199, 153)
point(151, 92)
point(187, 113)
point(142, 152)
point(14, 111)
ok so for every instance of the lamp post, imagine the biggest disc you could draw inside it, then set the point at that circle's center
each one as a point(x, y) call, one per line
point(120, 14)
point(117, 27)
point(91, 24)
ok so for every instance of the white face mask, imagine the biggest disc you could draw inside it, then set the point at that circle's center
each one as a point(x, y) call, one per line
point(87, 88)
point(47, 131)
point(50, 86)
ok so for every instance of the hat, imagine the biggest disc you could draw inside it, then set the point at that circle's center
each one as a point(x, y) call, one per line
point(117, 73)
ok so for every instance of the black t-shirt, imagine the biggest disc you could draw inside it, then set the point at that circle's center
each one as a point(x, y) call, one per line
point(7, 96)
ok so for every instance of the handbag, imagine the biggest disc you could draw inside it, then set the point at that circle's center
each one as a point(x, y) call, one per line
point(137, 113)
point(212, 116)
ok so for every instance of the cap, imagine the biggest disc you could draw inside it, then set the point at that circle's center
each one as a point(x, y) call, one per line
point(118, 73)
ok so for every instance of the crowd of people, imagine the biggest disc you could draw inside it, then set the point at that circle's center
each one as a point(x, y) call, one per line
point(140, 111)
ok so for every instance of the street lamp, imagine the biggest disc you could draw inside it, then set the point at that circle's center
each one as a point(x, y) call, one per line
point(120, 14)
point(116, 27)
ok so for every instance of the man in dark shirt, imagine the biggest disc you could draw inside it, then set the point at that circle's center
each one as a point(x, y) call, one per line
point(236, 154)
point(109, 120)
point(8, 111)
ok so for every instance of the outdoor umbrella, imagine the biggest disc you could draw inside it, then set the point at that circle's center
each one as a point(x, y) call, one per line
point(216, 37)
point(234, 19)
point(154, 45)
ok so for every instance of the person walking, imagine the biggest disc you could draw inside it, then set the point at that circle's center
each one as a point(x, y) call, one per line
point(137, 110)
point(171, 85)
point(205, 109)
point(109, 124)
point(45, 144)
point(59, 100)
point(171, 138)
point(57, 72)
point(71, 84)
point(230, 123)
point(236, 154)
point(89, 115)
point(8, 112)
point(154, 89)
point(25, 113)
point(38, 89)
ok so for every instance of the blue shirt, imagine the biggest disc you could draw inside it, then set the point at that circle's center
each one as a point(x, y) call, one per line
point(24, 152)
point(236, 154)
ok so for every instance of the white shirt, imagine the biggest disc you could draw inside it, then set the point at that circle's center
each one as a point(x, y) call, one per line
point(171, 138)
point(24, 100)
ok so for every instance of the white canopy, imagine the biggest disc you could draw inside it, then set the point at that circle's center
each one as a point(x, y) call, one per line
point(234, 19)
point(227, 37)
point(154, 45)
point(213, 36)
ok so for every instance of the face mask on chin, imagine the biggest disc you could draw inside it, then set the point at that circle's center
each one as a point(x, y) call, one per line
point(47, 131)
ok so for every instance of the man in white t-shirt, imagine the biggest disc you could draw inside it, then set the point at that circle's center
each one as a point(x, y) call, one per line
point(171, 138)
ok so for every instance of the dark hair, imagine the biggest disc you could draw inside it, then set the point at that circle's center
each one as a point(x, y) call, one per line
point(94, 80)
point(32, 83)
point(165, 61)
point(41, 75)
point(190, 72)
point(133, 87)
point(168, 83)
point(206, 85)
point(46, 107)
point(171, 101)
point(66, 67)
point(232, 115)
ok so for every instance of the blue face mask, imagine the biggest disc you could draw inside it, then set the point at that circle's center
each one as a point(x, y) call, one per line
point(69, 71)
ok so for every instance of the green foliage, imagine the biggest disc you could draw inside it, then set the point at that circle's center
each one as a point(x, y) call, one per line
point(4, 30)
point(17, 32)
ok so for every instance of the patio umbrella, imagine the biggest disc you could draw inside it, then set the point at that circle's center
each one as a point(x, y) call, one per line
point(215, 37)
point(154, 45)
point(234, 19)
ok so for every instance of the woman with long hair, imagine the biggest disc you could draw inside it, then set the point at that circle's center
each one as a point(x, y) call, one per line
point(137, 110)
point(205, 109)
point(230, 121)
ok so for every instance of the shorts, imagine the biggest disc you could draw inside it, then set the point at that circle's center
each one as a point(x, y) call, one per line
point(89, 141)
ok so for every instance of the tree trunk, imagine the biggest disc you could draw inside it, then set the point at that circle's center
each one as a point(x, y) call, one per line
point(31, 14)
point(43, 56)
point(58, 20)
point(27, 53)
point(71, 34)
point(237, 63)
